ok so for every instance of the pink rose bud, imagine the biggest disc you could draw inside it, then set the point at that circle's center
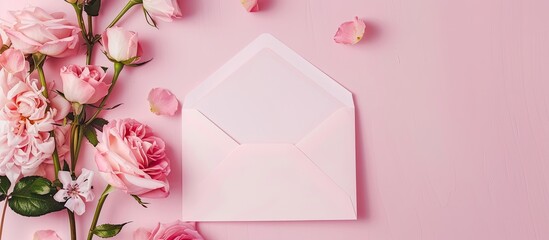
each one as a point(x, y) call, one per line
point(36, 31)
point(121, 45)
point(46, 235)
point(84, 85)
point(176, 230)
point(164, 10)
point(131, 144)
point(350, 32)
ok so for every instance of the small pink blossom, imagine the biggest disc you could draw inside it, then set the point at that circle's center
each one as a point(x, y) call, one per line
point(129, 157)
point(250, 5)
point(177, 230)
point(46, 235)
point(350, 32)
point(75, 192)
point(163, 102)
point(36, 31)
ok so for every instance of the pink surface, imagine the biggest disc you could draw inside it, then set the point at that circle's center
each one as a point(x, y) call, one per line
point(452, 100)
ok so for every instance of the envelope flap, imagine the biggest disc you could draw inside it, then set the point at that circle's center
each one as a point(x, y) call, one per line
point(267, 182)
point(202, 140)
point(267, 41)
point(331, 146)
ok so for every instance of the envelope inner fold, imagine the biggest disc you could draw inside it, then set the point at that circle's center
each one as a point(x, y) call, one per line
point(268, 100)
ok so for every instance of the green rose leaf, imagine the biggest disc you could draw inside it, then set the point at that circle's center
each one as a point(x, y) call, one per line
point(93, 7)
point(98, 123)
point(138, 199)
point(108, 230)
point(91, 135)
point(5, 184)
point(33, 196)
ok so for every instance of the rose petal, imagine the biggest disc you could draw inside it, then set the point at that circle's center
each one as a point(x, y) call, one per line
point(250, 5)
point(163, 102)
point(13, 61)
point(46, 235)
point(350, 32)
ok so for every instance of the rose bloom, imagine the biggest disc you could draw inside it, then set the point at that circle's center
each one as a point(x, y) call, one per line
point(84, 85)
point(121, 45)
point(25, 123)
point(164, 10)
point(26, 120)
point(35, 31)
point(129, 157)
point(177, 230)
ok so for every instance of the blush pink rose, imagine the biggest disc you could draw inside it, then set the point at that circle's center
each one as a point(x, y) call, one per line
point(177, 230)
point(35, 30)
point(46, 235)
point(121, 45)
point(129, 157)
point(164, 10)
point(84, 85)
point(26, 119)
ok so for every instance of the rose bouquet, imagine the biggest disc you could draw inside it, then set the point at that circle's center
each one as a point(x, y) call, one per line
point(44, 124)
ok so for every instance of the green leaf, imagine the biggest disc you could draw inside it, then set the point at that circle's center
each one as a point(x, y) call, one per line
point(33, 196)
point(139, 64)
point(108, 230)
point(98, 123)
point(149, 19)
point(93, 7)
point(5, 184)
point(91, 135)
point(138, 199)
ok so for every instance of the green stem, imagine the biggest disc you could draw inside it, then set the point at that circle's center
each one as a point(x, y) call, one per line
point(124, 10)
point(98, 208)
point(117, 70)
point(90, 42)
point(3, 217)
point(80, 20)
point(42, 78)
point(72, 223)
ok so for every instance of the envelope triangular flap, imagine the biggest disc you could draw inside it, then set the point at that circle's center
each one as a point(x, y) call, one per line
point(268, 41)
point(280, 183)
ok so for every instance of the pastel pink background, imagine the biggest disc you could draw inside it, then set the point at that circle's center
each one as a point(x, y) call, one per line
point(452, 100)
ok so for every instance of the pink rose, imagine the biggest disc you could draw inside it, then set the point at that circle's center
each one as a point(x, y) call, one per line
point(177, 230)
point(129, 157)
point(84, 85)
point(164, 10)
point(46, 235)
point(26, 119)
point(121, 45)
point(35, 30)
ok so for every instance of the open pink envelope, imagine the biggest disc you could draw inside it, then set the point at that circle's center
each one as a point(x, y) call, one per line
point(268, 137)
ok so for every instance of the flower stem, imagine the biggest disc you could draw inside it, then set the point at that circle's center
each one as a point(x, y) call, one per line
point(3, 217)
point(90, 41)
point(78, 10)
point(118, 67)
point(72, 223)
point(100, 203)
point(124, 10)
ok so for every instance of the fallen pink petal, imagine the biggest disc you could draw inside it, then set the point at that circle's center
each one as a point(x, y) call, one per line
point(250, 5)
point(350, 32)
point(163, 102)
